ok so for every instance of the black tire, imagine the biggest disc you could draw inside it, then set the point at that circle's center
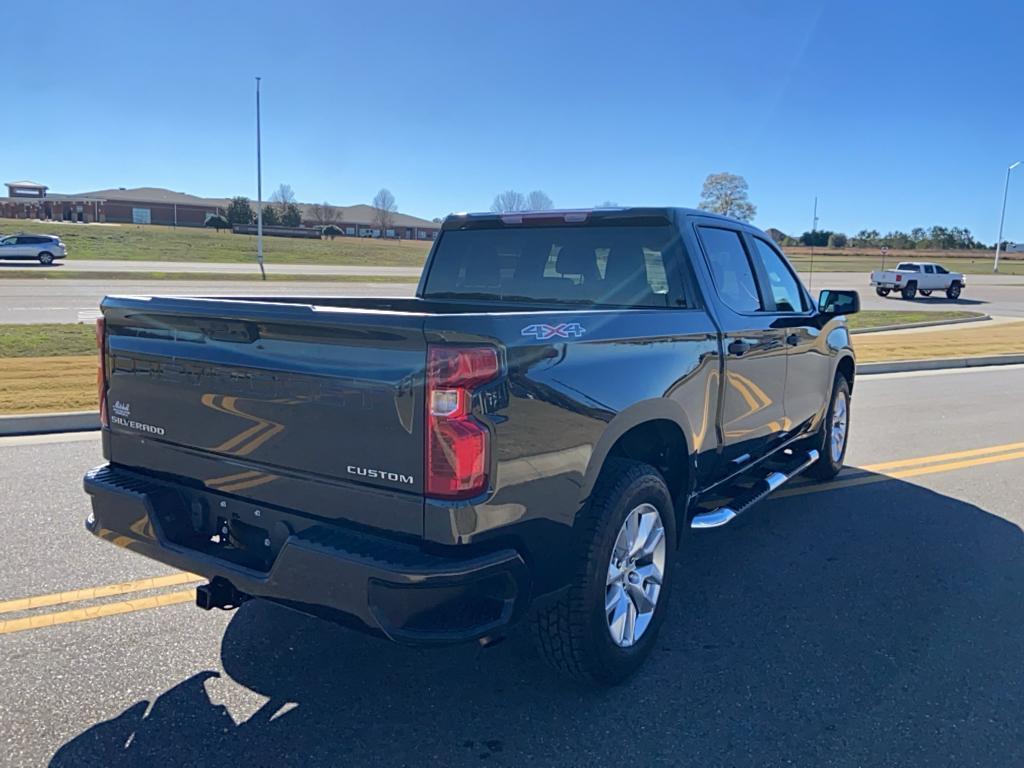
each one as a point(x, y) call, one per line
point(909, 290)
point(953, 292)
point(925, 293)
point(572, 634)
point(45, 257)
point(827, 466)
point(882, 291)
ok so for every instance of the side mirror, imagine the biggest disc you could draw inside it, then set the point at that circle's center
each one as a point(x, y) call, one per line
point(838, 302)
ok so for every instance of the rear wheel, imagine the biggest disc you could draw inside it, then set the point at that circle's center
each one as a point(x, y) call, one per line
point(953, 292)
point(46, 257)
point(882, 291)
point(909, 290)
point(832, 437)
point(926, 293)
point(605, 625)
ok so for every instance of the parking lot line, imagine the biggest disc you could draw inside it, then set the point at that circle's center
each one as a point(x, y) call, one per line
point(95, 612)
point(92, 593)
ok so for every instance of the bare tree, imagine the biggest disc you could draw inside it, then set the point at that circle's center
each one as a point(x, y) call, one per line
point(324, 213)
point(384, 211)
point(726, 193)
point(509, 201)
point(283, 195)
point(539, 201)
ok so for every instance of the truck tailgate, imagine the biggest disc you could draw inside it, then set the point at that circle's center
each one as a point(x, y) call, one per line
point(282, 404)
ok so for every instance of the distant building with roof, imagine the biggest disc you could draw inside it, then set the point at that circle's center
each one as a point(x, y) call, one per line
point(155, 205)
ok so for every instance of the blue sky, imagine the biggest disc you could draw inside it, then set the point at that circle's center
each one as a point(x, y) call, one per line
point(895, 114)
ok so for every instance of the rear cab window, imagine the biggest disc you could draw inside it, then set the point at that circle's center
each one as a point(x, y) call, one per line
point(594, 264)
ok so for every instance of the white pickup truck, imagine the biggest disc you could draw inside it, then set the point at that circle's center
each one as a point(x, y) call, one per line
point(913, 277)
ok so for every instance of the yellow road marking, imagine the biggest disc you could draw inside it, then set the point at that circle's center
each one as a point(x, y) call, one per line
point(900, 463)
point(871, 473)
point(878, 477)
point(91, 593)
point(95, 612)
point(958, 464)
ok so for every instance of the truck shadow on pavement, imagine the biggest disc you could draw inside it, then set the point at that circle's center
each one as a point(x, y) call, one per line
point(878, 623)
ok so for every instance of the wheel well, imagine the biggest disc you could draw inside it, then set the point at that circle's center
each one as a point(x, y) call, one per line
point(661, 444)
point(846, 370)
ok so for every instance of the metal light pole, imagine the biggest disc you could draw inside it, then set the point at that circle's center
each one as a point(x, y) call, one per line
point(814, 228)
point(1003, 215)
point(259, 188)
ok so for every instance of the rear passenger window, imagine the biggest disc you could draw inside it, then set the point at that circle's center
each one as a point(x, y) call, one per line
point(730, 268)
point(782, 284)
point(929, 269)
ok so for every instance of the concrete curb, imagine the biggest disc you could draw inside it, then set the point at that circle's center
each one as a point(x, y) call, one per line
point(82, 421)
point(937, 364)
point(923, 324)
point(44, 423)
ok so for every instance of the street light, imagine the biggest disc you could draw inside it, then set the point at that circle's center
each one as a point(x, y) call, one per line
point(259, 188)
point(999, 242)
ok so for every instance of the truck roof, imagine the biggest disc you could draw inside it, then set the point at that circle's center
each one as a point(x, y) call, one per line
point(576, 215)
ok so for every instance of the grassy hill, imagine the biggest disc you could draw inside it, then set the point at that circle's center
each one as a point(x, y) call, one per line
point(135, 242)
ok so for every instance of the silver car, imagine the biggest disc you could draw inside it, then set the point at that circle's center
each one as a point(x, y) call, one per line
point(41, 248)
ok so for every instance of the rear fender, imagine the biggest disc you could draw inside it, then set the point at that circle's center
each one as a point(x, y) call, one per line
point(660, 409)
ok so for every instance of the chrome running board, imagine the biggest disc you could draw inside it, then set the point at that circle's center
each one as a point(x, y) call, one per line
point(724, 515)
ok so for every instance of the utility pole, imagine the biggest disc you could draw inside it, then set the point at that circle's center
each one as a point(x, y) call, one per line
point(259, 188)
point(999, 242)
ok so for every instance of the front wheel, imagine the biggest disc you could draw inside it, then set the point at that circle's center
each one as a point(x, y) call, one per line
point(46, 257)
point(882, 291)
point(605, 625)
point(953, 292)
point(832, 437)
point(926, 293)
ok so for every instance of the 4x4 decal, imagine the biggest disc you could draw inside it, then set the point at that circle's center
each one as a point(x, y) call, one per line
point(542, 331)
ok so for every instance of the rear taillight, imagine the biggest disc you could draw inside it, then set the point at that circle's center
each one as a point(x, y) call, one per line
point(457, 444)
point(101, 370)
point(898, 278)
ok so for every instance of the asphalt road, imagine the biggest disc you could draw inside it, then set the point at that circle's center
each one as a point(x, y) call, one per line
point(120, 265)
point(875, 621)
point(70, 301)
point(998, 295)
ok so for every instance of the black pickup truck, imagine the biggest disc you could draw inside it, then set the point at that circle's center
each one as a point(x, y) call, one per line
point(528, 437)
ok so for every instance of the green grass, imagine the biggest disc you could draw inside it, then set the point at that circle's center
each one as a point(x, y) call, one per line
point(47, 340)
point(877, 318)
point(63, 274)
point(134, 242)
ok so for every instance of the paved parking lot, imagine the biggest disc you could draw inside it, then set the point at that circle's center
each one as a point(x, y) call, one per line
point(874, 621)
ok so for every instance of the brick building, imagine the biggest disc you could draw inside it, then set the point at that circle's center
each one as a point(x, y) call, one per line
point(154, 205)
